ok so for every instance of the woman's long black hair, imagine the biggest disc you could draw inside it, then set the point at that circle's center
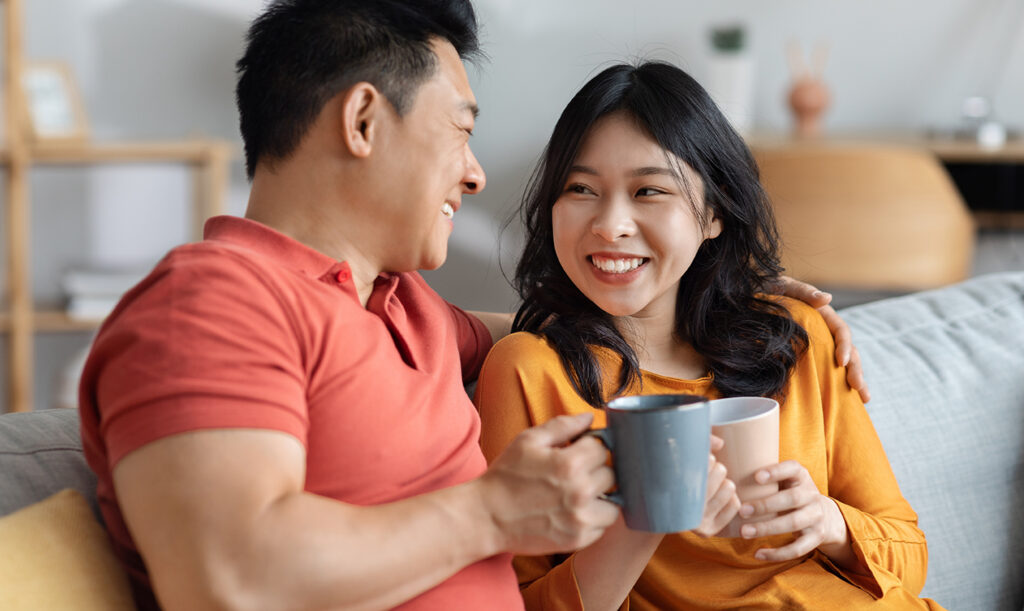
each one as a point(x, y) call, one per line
point(750, 343)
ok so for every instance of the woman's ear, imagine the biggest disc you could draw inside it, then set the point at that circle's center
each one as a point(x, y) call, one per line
point(714, 227)
point(361, 109)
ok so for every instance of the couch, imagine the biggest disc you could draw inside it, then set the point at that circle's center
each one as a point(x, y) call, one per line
point(946, 372)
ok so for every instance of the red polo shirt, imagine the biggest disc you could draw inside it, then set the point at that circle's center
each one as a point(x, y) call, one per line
point(251, 329)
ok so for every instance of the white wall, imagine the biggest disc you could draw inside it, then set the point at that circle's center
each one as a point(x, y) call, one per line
point(164, 69)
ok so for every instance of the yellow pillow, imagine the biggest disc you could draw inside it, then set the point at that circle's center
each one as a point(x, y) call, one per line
point(54, 555)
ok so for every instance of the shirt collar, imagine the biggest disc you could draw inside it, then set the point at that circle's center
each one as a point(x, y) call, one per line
point(269, 243)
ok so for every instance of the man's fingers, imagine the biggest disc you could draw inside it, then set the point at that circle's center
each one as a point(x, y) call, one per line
point(840, 333)
point(561, 430)
point(603, 481)
point(806, 293)
point(855, 376)
point(846, 353)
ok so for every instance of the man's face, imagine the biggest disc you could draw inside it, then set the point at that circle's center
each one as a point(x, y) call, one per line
point(429, 167)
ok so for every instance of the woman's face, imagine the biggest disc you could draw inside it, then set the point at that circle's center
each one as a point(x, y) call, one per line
point(624, 227)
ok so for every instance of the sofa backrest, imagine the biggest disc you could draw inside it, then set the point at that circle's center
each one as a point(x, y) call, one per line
point(946, 374)
point(41, 454)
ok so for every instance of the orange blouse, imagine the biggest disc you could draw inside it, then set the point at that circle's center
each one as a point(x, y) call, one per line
point(823, 425)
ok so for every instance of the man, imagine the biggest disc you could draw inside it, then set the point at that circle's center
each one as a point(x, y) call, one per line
point(276, 414)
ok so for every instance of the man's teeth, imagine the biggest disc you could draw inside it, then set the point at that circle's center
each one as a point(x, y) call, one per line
point(616, 266)
point(447, 210)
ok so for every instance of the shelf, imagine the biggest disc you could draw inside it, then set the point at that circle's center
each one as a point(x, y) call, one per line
point(946, 149)
point(195, 152)
point(52, 321)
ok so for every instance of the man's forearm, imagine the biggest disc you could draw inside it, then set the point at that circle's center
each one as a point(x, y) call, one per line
point(308, 552)
point(499, 324)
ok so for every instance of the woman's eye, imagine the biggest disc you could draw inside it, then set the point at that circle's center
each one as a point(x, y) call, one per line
point(648, 191)
point(577, 188)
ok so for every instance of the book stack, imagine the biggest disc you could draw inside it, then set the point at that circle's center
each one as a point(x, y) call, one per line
point(93, 293)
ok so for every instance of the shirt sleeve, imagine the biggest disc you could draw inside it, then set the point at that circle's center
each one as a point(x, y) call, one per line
point(520, 386)
point(474, 341)
point(886, 540)
point(196, 346)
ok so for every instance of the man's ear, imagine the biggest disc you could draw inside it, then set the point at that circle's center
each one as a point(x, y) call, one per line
point(361, 109)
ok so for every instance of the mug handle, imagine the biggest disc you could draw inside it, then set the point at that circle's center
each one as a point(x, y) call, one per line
point(605, 436)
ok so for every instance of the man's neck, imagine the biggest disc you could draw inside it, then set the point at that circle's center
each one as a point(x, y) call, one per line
point(298, 209)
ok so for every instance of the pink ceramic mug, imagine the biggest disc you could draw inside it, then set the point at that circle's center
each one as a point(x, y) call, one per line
point(749, 426)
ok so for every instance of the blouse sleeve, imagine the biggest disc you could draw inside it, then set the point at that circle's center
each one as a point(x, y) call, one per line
point(883, 530)
point(522, 384)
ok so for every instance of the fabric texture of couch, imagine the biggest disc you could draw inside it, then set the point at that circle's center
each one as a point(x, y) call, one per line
point(946, 372)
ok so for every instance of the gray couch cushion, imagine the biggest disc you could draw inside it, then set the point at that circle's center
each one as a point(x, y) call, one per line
point(40, 454)
point(946, 371)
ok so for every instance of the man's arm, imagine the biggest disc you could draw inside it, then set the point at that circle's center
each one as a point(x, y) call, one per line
point(499, 324)
point(222, 521)
point(846, 353)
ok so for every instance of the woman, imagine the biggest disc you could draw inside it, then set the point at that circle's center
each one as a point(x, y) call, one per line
point(650, 248)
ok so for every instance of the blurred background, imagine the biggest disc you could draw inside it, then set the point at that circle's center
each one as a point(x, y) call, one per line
point(164, 69)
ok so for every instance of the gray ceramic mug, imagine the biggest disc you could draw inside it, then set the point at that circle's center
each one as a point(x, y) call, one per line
point(660, 446)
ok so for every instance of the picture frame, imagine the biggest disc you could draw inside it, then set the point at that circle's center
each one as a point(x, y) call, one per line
point(53, 104)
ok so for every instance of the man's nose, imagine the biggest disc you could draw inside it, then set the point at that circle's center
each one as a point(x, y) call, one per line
point(474, 180)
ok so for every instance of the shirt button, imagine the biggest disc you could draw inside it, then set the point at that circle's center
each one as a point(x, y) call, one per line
point(343, 275)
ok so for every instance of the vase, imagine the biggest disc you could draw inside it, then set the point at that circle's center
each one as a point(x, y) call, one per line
point(731, 85)
point(808, 100)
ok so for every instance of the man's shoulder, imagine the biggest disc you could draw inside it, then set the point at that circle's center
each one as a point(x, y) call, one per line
point(217, 267)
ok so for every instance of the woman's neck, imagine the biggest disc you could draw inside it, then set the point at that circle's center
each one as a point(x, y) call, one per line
point(659, 350)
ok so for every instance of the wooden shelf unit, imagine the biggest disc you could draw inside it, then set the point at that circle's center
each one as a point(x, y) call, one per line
point(20, 318)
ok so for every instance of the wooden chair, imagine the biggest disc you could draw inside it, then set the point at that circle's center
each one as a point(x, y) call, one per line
point(867, 217)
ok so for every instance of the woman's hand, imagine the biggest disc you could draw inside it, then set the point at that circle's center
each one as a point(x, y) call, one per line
point(846, 353)
point(801, 509)
point(721, 503)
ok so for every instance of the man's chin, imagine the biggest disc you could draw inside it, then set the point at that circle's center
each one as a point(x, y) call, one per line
point(434, 263)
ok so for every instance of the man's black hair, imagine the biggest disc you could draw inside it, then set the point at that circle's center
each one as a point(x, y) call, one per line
point(301, 53)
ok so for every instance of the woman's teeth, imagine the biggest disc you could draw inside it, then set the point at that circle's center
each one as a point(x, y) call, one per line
point(447, 210)
point(616, 266)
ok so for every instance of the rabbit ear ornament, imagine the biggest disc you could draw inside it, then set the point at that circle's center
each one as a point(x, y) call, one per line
point(808, 97)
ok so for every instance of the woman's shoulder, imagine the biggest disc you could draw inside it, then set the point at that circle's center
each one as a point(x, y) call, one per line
point(805, 316)
point(522, 349)
point(523, 342)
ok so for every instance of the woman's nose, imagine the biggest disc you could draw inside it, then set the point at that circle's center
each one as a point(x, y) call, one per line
point(614, 221)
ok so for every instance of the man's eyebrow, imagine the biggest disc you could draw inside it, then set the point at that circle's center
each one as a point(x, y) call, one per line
point(472, 108)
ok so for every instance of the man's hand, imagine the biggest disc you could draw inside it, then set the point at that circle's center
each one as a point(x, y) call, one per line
point(543, 495)
point(846, 353)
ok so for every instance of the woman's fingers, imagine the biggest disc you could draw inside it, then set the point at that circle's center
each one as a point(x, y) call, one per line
point(721, 503)
point(802, 546)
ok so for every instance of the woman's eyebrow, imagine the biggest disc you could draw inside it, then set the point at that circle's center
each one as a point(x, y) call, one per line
point(654, 171)
point(644, 171)
point(583, 169)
